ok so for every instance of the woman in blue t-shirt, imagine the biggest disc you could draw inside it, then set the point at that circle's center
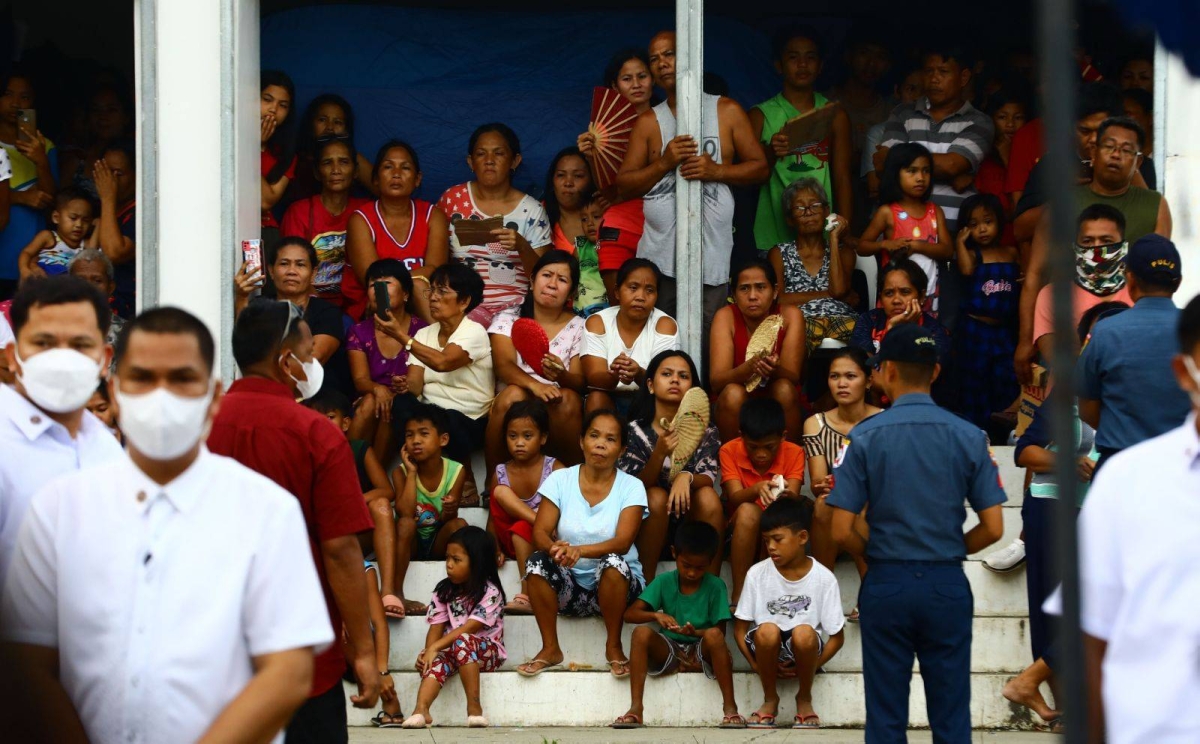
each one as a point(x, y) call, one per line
point(586, 562)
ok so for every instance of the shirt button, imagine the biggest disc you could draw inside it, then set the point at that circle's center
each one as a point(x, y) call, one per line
point(35, 420)
point(141, 496)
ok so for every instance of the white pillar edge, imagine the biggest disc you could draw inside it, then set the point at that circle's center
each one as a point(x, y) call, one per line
point(145, 42)
point(1179, 180)
point(689, 268)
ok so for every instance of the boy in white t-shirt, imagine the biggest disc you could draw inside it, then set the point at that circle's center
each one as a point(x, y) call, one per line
point(789, 619)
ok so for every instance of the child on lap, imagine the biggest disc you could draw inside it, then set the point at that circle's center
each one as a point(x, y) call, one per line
point(788, 600)
point(690, 608)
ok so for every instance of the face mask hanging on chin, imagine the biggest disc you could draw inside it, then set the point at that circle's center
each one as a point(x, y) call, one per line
point(1100, 269)
point(314, 375)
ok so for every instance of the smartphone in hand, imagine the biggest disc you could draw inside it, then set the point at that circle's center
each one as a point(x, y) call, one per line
point(252, 254)
point(383, 301)
point(26, 123)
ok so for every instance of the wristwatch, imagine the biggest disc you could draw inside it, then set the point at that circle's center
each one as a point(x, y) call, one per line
point(408, 346)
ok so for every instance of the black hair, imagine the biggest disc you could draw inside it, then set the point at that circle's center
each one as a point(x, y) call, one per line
point(72, 193)
point(532, 409)
point(753, 262)
point(1098, 211)
point(1143, 98)
point(553, 209)
point(642, 410)
point(602, 412)
point(551, 257)
point(612, 70)
point(393, 268)
point(283, 141)
point(1011, 91)
point(949, 49)
point(792, 514)
point(898, 158)
point(480, 547)
point(258, 331)
point(696, 538)
point(391, 145)
point(854, 354)
point(330, 401)
point(294, 241)
point(1123, 122)
point(633, 264)
point(463, 280)
point(1095, 313)
point(432, 414)
point(1098, 98)
point(780, 39)
point(16, 70)
point(916, 275)
point(126, 147)
point(308, 141)
point(168, 320)
point(505, 131)
point(324, 144)
point(761, 418)
point(1189, 327)
point(103, 392)
point(990, 202)
point(589, 197)
point(61, 289)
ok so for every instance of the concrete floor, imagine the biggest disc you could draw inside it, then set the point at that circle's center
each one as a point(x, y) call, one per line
point(360, 735)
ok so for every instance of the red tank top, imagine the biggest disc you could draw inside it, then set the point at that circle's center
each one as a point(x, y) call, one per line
point(411, 250)
point(741, 334)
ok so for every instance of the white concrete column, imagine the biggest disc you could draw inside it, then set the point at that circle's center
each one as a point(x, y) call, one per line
point(198, 154)
point(1180, 178)
point(689, 81)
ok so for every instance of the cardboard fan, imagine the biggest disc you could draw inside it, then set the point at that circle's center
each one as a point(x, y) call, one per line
point(612, 121)
point(763, 343)
point(531, 342)
point(477, 232)
point(690, 423)
point(810, 127)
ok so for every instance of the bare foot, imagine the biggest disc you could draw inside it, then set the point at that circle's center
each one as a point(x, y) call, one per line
point(1022, 691)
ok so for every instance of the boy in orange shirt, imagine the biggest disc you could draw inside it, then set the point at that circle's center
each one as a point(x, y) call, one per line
point(757, 468)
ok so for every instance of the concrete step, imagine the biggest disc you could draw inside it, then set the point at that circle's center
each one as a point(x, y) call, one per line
point(1001, 644)
point(596, 698)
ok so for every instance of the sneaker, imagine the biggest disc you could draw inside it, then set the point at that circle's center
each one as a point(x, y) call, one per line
point(1008, 558)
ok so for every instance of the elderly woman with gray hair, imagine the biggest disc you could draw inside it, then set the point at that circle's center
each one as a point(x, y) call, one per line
point(91, 264)
point(814, 270)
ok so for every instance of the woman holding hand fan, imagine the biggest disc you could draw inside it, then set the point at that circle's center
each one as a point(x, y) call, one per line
point(756, 349)
point(674, 451)
point(537, 349)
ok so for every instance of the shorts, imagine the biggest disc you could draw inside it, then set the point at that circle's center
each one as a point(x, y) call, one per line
point(506, 526)
point(682, 657)
point(787, 656)
point(573, 599)
point(425, 541)
point(466, 649)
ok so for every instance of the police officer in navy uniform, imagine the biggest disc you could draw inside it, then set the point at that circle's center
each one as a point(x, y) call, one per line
point(912, 467)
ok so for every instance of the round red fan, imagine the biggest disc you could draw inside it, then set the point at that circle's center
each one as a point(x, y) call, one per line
point(531, 342)
point(612, 121)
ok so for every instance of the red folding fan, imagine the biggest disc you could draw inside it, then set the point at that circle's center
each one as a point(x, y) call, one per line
point(531, 342)
point(612, 121)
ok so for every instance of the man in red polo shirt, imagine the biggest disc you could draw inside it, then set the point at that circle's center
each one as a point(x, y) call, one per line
point(261, 426)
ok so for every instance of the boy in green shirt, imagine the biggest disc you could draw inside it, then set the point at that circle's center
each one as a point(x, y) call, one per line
point(593, 297)
point(691, 608)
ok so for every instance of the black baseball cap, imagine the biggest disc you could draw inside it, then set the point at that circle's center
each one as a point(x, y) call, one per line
point(1154, 258)
point(907, 342)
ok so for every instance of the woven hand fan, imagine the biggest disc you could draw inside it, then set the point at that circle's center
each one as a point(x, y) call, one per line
point(531, 342)
point(690, 423)
point(612, 121)
point(762, 343)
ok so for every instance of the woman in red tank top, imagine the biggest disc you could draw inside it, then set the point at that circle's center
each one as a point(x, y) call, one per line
point(396, 226)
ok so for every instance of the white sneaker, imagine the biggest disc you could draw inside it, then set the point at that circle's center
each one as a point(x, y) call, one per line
point(1008, 558)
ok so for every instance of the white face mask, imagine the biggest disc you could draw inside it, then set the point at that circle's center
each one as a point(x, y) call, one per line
point(160, 424)
point(1195, 375)
point(314, 374)
point(59, 380)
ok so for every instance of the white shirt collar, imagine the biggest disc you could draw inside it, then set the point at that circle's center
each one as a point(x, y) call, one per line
point(183, 492)
point(1190, 440)
point(33, 422)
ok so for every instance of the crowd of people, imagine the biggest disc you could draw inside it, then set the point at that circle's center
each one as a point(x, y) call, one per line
point(541, 333)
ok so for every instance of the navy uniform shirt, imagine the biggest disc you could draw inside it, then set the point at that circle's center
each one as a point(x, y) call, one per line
point(915, 464)
point(1127, 367)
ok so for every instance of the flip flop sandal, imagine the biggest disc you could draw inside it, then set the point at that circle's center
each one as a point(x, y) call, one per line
point(619, 668)
point(854, 616)
point(477, 722)
point(627, 721)
point(540, 665)
point(387, 720)
point(760, 721)
point(811, 721)
point(520, 605)
point(690, 423)
point(735, 721)
point(762, 343)
point(390, 603)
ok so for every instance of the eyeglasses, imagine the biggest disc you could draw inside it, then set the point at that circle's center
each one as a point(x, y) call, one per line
point(439, 291)
point(1127, 152)
point(294, 314)
point(806, 210)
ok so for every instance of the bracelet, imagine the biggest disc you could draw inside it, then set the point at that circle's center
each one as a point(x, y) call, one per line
point(418, 277)
point(408, 346)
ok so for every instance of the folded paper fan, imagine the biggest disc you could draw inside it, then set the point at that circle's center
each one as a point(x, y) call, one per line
point(762, 343)
point(531, 342)
point(612, 121)
point(690, 423)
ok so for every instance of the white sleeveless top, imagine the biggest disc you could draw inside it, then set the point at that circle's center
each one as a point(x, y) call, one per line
point(658, 239)
point(609, 345)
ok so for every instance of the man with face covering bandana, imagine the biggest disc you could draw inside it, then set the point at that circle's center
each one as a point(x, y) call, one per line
point(261, 425)
point(45, 430)
point(1127, 389)
point(167, 595)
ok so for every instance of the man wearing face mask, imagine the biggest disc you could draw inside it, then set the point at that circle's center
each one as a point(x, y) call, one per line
point(1127, 390)
point(1139, 596)
point(137, 610)
point(261, 425)
point(45, 430)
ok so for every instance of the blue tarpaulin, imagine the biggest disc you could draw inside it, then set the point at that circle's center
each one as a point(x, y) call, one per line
point(431, 76)
point(1176, 21)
